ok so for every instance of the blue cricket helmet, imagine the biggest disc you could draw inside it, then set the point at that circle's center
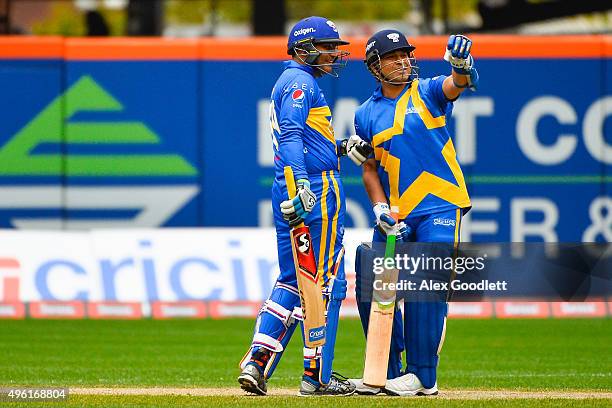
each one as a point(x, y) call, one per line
point(384, 42)
point(315, 30)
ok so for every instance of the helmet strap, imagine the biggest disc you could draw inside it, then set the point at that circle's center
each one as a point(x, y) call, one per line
point(375, 68)
point(309, 55)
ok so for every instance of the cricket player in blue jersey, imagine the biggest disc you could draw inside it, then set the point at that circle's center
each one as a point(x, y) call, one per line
point(303, 138)
point(415, 169)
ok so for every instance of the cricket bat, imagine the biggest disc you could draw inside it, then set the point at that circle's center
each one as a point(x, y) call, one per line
point(380, 326)
point(308, 277)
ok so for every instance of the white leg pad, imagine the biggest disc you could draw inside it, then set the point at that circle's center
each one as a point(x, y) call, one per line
point(278, 311)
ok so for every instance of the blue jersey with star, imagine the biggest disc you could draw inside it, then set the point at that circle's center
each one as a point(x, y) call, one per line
point(302, 133)
point(417, 163)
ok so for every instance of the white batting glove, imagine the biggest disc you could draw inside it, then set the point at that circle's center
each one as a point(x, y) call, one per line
point(297, 209)
point(384, 221)
point(357, 149)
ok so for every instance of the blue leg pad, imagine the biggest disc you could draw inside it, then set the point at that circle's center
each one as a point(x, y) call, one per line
point(424, 326)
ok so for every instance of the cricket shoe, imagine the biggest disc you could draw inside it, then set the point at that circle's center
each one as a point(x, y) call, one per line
point(408, 384)
point(338, 386)
point(362, 389)
point(252, 380)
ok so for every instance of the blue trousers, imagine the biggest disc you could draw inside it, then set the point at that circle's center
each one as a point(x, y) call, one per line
point(420, 333)
point(275, 323)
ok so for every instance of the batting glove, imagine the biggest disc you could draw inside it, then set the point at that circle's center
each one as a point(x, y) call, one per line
point(384, 221)
point(404, 232)
point(357, 149)
point(458, 55)
point(297, 209)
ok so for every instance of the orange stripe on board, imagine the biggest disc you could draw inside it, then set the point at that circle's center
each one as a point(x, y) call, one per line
point(262, 48)
point(274, 48)
point(570, 46)
point(607, 44)
point(510, 46)
point(231, 49)
point(132, 49)
point(24, 47)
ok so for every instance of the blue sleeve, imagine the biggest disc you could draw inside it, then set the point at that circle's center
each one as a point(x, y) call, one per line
point(359, 125)
point(338, 145)
point(433, 87)
point(294, 108)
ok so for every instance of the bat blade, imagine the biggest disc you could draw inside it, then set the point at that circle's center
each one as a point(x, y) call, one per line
point(309, 286)
point(380, 325)
point(308, 277)
point(379, 333)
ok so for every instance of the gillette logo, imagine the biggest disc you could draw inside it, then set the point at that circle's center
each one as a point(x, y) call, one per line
point(317, 333)
point(303, 31)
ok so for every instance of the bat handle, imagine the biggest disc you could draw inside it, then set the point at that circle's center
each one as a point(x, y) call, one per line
point(291, 190)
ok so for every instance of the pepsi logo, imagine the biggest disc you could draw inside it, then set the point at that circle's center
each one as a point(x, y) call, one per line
point(298, 95)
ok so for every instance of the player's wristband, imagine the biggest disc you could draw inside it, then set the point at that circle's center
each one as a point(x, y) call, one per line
point(467, 84)
point(342, 149)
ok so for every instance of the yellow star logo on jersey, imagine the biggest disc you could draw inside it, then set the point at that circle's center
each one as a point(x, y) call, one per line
point(426, 183)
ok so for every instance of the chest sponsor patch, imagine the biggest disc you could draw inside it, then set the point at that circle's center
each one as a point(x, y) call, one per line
point(444, 221)
point(298, 96)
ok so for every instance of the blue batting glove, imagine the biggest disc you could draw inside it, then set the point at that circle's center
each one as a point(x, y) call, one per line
point(473, 79)
point(404, 232)
point(458, 54)
point(387, 219)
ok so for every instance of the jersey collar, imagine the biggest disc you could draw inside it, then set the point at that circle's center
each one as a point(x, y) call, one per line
point(379, 95)
point(292, 64)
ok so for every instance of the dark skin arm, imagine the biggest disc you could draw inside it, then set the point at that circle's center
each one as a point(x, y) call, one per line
point(450, 90)
point(371, 181)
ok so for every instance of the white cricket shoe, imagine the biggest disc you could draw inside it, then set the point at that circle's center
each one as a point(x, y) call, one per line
point(362, 389)
point(409, 384)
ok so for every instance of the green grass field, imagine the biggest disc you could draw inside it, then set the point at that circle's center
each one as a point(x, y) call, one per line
point(478, 355)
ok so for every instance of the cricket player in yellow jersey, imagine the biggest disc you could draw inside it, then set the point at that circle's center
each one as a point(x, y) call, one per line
point(414, 168)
